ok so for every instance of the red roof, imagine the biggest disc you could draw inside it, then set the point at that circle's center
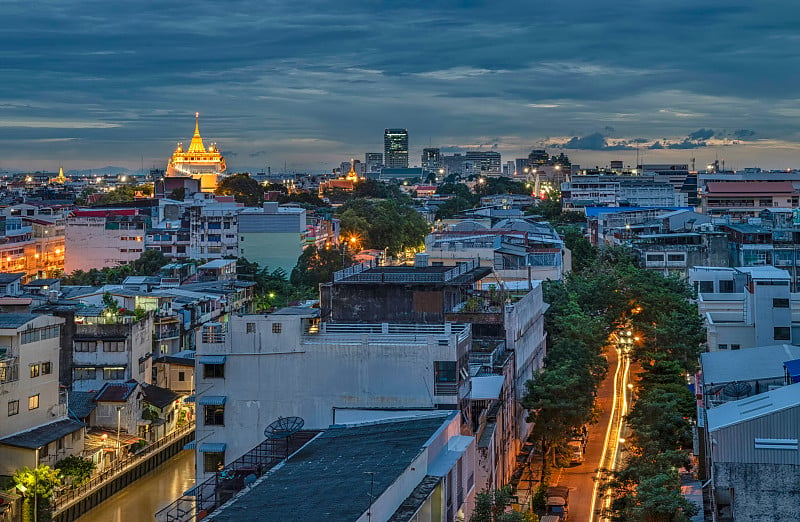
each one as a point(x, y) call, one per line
point(750, 187)
point(105, 212)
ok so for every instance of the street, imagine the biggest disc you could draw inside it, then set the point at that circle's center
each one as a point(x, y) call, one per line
point(602, 444)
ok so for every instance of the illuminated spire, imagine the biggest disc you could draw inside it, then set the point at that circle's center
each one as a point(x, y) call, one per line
point(197, 142)
point(352, 175)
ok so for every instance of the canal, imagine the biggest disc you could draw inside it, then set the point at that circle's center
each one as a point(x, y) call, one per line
point(140, 500)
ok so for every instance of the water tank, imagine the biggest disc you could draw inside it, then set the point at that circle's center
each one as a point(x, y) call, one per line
point(421, 260)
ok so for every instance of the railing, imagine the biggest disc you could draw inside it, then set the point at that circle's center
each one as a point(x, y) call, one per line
point(355, 269)
point(9, 371)
point(65, 497)
point(168, 333)
point(212, 493)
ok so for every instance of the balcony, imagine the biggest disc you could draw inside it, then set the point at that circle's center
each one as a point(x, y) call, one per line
point(9, 370)
point(168, 333)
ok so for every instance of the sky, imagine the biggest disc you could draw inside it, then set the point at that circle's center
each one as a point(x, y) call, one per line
point(311, 84)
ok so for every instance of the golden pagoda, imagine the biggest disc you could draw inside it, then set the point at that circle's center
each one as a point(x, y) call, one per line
point(197, 162)
point(61, 178)
point(346, 183)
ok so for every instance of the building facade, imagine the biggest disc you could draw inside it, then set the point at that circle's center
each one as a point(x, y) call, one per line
point(395, 148)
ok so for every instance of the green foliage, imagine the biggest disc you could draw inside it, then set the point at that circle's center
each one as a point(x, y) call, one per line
point(243, 188)
point(271, 289)
point(501, 185)
point(385, 224)
point(110, 304)
point(121, 194)
point(317, 265)
point(494, 506)
point(79, 468)
point(148, 264)
point(40, 483)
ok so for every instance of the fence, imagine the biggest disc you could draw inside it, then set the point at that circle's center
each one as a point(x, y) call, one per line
point(62, 499)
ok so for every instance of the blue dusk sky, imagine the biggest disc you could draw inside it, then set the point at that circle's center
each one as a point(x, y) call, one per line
point(310, 84)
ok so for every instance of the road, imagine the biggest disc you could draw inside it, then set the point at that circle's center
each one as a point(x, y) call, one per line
point(140, 500)
point(602, 443)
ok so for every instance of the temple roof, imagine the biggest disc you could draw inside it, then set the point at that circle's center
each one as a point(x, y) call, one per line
point(197, 142)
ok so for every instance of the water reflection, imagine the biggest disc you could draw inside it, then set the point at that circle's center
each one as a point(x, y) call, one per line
point(140, 500)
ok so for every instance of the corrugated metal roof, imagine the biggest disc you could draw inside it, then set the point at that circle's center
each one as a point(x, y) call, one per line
point(735, 412)
point(43, 435)
point(751, 364)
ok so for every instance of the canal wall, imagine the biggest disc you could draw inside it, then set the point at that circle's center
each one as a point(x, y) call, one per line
point(73, 504)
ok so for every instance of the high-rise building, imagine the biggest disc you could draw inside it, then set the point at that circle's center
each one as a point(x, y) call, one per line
point(431, 158)
point(486, 163)
point(395, 148)
point(373, 161)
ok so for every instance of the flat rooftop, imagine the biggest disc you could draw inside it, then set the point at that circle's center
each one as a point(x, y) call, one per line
point(330, 477)
point(750, 364)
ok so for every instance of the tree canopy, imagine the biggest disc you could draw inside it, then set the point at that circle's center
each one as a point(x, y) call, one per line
point(383, 224)
point(148, 264)
point(243, 188)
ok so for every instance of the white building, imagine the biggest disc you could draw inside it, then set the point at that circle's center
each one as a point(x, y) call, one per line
point(747, 306)
point(257, 368)
point(101, 238)
point(33, 418)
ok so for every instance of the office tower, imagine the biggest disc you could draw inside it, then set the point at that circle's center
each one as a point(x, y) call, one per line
point(487, 163)
point(431, 158)
point(373, 161)
point(395, 148)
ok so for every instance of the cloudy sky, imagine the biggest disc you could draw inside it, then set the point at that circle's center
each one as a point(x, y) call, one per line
point(310, 84)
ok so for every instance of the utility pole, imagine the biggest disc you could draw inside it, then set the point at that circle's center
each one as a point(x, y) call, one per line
point(371, 488)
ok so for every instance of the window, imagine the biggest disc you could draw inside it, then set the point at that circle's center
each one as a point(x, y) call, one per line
point(84, 374)
point(276, 327)
point(722, 346)
point(251, 327)
point(444, 378)
point(780, 303)
point(181, 376)
point(782, 333)
point(39, 334)
point(85, 346)
point(213, 461)
point(113, 374)
point(47, 368)
point(214, 371)
point(13, 408)
point(706, 287)
point(655, 257)
point(726, 287)
point(34, 370)
point(33, 402)
point(113, 346)
point(676, 257)
point(736, 346)
point(214, 415)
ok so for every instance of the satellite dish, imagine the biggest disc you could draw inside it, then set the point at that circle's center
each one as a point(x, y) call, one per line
point(283, 427)
point(737, 390)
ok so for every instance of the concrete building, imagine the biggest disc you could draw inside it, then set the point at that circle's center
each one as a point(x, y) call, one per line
point(257, 368)
point(272, 236)
point(619, 191)
point(420, 470)
point(100, 238)
point(373, 162)
point(745, 307)
point(34, 428)
point(754, 458)
point(740, 200)
point(487, 163)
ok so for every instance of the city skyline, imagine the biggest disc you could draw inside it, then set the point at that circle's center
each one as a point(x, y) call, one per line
point(308, 86)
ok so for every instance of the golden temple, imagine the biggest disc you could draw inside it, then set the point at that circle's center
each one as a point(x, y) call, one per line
point(197, 162)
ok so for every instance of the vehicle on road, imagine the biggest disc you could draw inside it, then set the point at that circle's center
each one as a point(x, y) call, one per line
point(557, 502)
point(575, 451)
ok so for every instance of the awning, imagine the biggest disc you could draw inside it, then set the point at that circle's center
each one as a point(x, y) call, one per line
point(212, 400)
point(190, 445)
point(189, 398)
point(212, 359)
point(793, 369)
point(213, 447)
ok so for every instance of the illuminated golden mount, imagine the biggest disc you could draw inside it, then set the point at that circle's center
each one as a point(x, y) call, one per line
point(197, 162)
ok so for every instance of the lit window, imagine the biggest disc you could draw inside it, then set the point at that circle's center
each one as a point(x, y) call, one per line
point(33, 402)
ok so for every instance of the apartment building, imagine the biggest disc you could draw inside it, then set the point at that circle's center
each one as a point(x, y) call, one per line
point(34, 428)
point(100, 238)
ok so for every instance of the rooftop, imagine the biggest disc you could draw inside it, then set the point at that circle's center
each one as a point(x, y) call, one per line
point(751, 364)
point(335, 470)
point(81, 404)
point(16, 320)
point(6, 277)
point(157, 396)
point(116, 391)
point(42, 435)
point(467, 272)
point(743, 410)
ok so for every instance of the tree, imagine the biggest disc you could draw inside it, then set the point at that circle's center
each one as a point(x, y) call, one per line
point(493, 506)
point(243, 188)
point(386, 224)
point(317, 265)
point(148, 264)
point(79, 468)
point(39, 484)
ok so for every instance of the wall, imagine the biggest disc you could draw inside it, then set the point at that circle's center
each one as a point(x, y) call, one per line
point(760, 491)
point(272, 249)
point(89, 244)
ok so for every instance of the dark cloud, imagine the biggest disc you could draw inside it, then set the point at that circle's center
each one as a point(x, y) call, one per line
point(595, 141)
point(314, 82)
point(743, 134)
point(701, 134)
point(258, 153)
point(656, 146)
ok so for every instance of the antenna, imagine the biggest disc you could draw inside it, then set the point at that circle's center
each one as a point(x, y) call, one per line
point(283, 428)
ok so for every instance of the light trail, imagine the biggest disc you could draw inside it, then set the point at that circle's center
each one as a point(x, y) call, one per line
point(605, 444)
